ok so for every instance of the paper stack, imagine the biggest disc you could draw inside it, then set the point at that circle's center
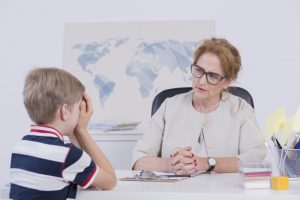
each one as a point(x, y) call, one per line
point(113, 126)
point(256, 175)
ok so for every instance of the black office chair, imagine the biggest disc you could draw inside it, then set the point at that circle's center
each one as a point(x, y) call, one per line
point(160, 97)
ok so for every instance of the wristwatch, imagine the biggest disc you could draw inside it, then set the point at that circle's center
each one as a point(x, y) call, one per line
point(211, 163)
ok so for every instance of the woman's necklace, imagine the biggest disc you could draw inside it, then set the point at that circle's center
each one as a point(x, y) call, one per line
point(210, 109)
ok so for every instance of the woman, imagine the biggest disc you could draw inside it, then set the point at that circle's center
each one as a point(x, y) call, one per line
point(206, 129)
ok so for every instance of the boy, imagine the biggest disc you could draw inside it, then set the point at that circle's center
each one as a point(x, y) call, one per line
point(42, 165)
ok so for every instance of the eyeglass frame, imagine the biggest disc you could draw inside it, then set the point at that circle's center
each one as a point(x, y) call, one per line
point(207, 73)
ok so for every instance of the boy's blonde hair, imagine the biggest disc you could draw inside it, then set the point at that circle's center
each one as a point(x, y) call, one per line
point(46, 90)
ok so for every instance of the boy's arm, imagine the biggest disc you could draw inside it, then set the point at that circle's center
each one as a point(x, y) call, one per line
point(106, 178)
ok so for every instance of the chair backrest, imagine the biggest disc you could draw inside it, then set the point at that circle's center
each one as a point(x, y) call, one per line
point(160, 97)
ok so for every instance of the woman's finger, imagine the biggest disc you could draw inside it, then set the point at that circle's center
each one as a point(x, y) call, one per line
point(176, 159)
point(187, 160)
point(175, 151)
point(186, 151)
point(187, 170)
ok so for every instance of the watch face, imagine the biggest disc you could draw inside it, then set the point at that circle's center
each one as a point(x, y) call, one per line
point(212, 161)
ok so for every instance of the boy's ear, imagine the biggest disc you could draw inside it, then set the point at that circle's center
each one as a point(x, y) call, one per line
point(64, 112)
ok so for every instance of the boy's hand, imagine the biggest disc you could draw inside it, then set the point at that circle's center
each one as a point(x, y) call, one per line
point(86, 111)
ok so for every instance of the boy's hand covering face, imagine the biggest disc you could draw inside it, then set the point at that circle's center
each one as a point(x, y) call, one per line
point(86, 111)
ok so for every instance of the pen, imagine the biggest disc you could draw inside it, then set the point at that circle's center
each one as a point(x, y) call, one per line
point(297, 146)
point(175, 175)
point(197, 173)
point(276, 142)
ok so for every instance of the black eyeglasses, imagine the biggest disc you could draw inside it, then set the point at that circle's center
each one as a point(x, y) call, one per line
point(211, 78)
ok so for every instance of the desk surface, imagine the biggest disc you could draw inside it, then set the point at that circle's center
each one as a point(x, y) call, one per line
point(207, 186)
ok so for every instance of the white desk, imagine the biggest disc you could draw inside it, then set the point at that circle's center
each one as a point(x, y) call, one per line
point(203, 187)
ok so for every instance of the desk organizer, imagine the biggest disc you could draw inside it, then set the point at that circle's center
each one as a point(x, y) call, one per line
point(288, 162)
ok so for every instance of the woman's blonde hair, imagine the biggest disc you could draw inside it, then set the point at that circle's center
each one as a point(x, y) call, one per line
point(229, 55)
point(46, 90)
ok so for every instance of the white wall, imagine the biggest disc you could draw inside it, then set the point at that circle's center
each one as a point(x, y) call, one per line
point(266, 32)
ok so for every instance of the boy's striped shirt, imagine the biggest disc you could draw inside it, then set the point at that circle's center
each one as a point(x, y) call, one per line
point(44, 167)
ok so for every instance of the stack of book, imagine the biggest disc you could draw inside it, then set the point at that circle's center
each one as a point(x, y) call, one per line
point(113, 126)
point(256, 175)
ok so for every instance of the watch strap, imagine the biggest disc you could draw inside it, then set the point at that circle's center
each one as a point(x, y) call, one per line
point(211, 167)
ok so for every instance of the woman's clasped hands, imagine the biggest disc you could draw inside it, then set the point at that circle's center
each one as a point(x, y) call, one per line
point(182, 161)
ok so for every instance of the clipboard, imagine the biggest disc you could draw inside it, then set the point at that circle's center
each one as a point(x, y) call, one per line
point(147, 176)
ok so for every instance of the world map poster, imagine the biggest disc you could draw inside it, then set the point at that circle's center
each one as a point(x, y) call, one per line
point(123, 65)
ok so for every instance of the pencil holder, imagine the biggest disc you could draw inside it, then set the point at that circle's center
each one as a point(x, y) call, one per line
point(288, 162)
